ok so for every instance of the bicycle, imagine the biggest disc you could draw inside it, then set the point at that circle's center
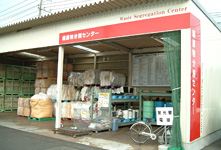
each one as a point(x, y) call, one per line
point(142, 131)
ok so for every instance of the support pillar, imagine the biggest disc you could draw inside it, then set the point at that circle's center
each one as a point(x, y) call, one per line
point(59, 86)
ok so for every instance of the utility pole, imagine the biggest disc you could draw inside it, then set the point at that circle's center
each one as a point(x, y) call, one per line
point(39, 14)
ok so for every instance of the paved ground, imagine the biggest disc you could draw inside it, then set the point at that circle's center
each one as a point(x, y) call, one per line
point(12, 139)
point(119, 140)
point(214, 146)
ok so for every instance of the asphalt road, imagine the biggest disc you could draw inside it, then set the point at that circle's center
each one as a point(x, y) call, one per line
point(12, 139)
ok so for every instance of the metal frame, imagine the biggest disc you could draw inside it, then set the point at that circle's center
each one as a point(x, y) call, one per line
point(150, 95)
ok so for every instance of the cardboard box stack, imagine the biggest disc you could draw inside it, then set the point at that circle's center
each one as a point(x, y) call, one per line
point(46, 69)
point(47, 75)
point(24, 108)
point(42, 85)
point(20, 106)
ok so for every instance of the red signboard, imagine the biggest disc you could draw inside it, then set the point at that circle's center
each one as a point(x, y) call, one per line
point(195, 78)
point(160, 24)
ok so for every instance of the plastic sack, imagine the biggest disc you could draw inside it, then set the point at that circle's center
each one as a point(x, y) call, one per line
point(76, 79)
point(77, 110)
point(92, 77)
point(40, 96)
point(85, 110)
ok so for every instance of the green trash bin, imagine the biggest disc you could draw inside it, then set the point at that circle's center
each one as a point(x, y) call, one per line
point(148, 109)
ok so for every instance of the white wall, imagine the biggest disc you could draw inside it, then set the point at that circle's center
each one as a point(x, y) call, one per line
point(211, 73)
point(48, 35)
point(185, 86)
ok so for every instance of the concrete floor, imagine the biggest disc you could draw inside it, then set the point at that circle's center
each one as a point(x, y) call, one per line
point(12, 139)
point(112, 140)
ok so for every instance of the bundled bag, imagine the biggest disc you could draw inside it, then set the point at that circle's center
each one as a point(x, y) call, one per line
point(92, 77)
point(41, 106)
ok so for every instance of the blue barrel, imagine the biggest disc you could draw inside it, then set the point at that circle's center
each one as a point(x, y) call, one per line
point(158, 104)
point(169, 104)
point(115, 123)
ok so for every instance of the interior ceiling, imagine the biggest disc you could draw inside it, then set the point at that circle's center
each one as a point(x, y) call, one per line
point(120, 44)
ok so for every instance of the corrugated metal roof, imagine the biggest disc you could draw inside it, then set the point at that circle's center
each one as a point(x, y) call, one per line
point(102, 6)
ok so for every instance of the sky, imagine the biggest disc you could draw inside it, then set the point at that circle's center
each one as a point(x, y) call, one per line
point(12, 11)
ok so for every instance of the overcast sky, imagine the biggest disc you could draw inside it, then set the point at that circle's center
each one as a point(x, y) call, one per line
point(12, 11)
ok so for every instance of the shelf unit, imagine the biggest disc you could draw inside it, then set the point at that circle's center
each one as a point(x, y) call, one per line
point(149, 94)
point(123, 101)
point(110, 108)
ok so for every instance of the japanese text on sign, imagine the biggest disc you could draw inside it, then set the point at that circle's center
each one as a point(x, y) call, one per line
point(103, 100)
point(79, 35)
point(195, 91)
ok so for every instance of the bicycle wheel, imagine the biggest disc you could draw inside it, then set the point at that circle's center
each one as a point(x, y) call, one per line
point(136, 131)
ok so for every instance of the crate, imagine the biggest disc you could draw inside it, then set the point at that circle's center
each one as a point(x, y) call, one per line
point(27, 95)
point(1, 103)
point(13, 72)
point(2, 71)
point(28, 73)
point(12, 87)
point(2, 87)
point(10, 102)
point(27, 87)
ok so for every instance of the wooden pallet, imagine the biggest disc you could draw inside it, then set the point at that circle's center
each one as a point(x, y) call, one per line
point(23, 116)
point(52, 78)
point(40, 119)
point(67, 119)
point(72, 132)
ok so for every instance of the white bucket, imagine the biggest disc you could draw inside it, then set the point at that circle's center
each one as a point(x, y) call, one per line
point(133, 115)
point(119, 113)
point(136, 114)
point(130, 113)
point(125, 114)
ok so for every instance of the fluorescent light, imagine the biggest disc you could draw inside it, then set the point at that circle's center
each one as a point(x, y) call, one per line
point(31, 55)
point(85, 49)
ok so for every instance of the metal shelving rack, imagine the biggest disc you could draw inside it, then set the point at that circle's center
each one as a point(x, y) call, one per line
point(110, 108)
point(124, 101)
point(150, 94)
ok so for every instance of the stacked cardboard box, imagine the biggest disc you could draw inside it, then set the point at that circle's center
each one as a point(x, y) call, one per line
point(47, 75)
point(24, 108)
point(42, 85)
point(48, 69)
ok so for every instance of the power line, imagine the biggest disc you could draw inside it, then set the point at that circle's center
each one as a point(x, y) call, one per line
point(6, 3)
point(12, 6)
point(56, 4)
point(20, 18)
point(21, 12)
point(59, 2)
point(18, 8)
